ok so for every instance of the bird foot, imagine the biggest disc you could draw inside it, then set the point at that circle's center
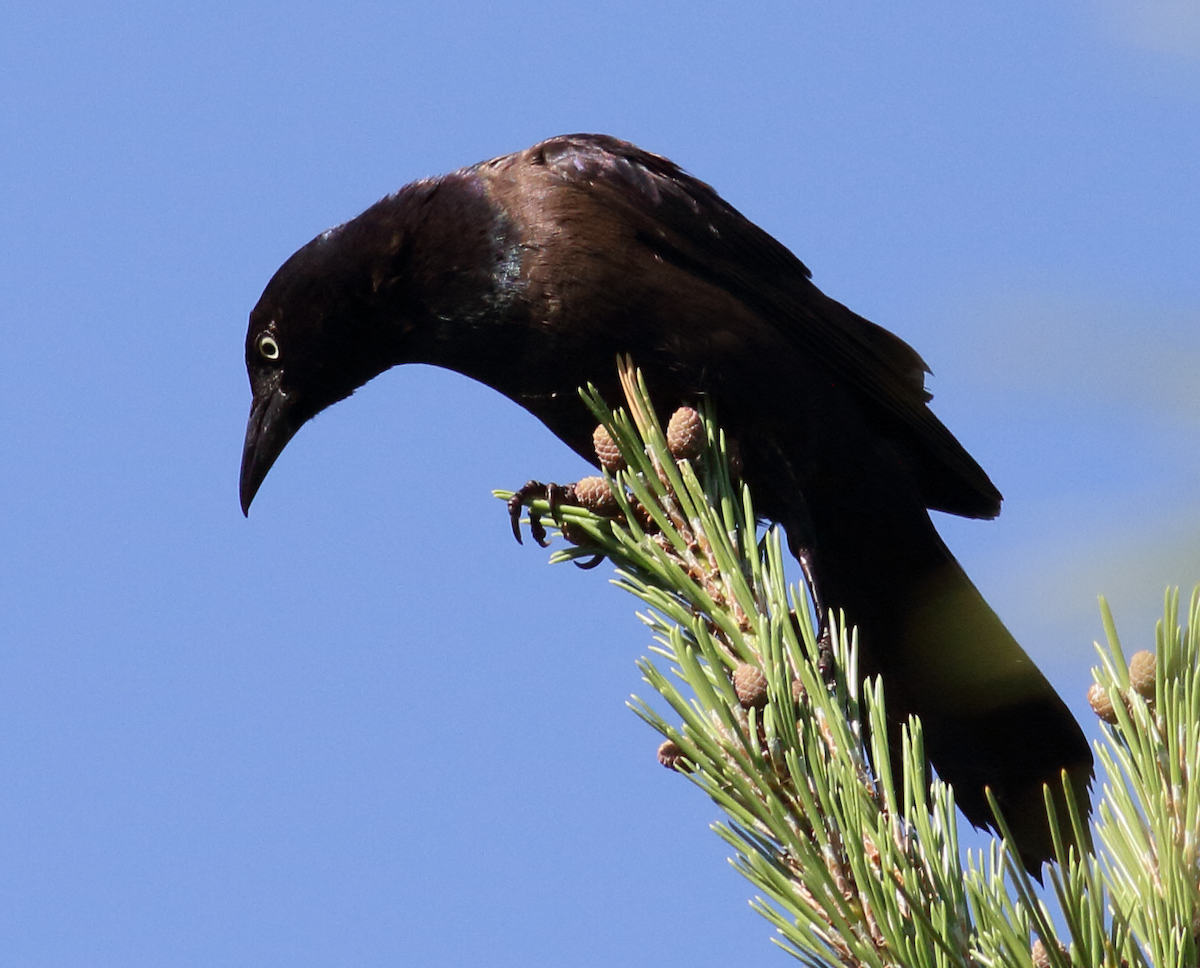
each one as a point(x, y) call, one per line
point(555, 495)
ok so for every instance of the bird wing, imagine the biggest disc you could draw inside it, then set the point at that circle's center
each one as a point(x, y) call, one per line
point(684, 221)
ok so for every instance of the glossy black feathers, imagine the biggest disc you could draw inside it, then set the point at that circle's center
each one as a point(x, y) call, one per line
point(533, 271)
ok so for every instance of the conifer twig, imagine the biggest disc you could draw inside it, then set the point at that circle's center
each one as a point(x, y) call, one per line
point(855, 866)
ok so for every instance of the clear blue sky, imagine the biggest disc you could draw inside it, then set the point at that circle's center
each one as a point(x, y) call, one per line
point(364, 727)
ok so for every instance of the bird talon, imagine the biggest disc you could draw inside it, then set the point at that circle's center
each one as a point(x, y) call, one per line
point(556, 495)
point(515, 505)
point(514, 514)
point(559, 494)
point(849, 463)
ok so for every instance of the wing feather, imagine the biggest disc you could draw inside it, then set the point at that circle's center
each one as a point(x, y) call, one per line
point(686, 222)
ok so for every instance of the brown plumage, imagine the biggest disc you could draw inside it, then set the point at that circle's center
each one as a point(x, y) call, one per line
point(533, 271)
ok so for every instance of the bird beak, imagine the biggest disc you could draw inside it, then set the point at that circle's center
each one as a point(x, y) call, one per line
point(271, 425)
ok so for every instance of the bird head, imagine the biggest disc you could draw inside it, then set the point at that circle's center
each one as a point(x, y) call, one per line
point(316, 334)
point(427, 274)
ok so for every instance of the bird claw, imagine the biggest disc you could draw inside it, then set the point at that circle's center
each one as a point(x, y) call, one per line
point(555, 495)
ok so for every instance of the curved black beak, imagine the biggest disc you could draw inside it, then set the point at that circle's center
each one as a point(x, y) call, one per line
point(271, 425)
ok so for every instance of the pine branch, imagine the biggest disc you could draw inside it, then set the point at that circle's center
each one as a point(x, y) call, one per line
point(855, 866)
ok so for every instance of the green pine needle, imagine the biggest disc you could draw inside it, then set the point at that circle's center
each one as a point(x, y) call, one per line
point(855, 866)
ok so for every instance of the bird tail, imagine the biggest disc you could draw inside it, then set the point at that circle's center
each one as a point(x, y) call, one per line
point(990, 718)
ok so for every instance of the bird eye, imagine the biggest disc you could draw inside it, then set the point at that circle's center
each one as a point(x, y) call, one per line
point(268, 347)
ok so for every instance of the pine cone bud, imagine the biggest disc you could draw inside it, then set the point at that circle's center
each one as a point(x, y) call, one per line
point(607, 450)
point(671, 756)
point(1101, 703)
point(1141, 674)
point(594, 494)
point(750, 685)
point(1041, 959)
point(685, 434)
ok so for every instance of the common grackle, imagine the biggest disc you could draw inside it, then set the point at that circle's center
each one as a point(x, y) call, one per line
point(533, 271)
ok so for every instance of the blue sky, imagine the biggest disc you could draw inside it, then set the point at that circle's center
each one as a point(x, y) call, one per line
point(364, 727)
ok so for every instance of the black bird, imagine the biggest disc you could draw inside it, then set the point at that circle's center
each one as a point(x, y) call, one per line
point(533, 271)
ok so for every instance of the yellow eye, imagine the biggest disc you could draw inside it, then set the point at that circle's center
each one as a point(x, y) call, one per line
point(268, 348)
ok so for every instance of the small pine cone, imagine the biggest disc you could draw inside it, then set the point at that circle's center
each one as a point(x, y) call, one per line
point(1041, 958)
point(594, 494)
point(1141, 674)
point(607, 450)
point(685, 434)
point(750, 685)
point(1101, 703)
point(671, 756)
